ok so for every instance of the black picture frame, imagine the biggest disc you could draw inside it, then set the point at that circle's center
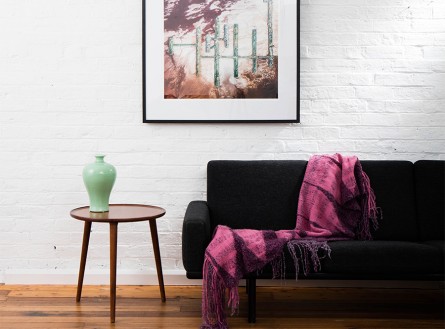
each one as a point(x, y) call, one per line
point(158, 109)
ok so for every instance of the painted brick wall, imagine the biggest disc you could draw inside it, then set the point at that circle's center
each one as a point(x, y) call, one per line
point(372, 84)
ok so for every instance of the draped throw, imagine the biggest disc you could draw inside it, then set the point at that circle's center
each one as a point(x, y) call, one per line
point(336, 202)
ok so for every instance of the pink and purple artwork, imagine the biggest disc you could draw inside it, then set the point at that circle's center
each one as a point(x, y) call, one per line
point(221, 49)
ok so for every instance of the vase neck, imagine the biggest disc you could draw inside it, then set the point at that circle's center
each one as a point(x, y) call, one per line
point(100, 158)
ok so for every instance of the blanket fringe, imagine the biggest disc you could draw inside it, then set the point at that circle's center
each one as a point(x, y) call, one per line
point(278, 267)
point(308, 253)
point(213, 299)
point(370, 211)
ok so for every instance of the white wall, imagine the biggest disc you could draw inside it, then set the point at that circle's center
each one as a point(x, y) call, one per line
point(372, 84)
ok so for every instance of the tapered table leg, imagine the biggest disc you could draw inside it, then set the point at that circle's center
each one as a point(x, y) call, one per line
point(113, 259)
point(83, 258)
point(155, 241)
point(118, 213)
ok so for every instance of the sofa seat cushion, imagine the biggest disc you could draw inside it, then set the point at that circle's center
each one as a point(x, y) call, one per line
point(436, 243)
point(440, 244)
point(383, 257)
point(373, 260)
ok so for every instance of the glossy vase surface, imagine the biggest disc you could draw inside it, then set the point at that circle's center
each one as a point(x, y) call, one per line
point(99, 178)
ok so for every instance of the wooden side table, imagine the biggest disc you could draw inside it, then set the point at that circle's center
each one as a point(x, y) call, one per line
point(119, 213)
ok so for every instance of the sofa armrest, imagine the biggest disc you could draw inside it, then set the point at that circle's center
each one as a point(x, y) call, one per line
point(196, 236)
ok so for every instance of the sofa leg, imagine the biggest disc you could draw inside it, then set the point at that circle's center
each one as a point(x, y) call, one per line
point(251, 291)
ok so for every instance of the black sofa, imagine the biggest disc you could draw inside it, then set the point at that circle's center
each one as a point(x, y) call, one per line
point(409, 244)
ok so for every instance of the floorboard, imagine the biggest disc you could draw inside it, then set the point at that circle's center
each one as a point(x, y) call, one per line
point(52, 306)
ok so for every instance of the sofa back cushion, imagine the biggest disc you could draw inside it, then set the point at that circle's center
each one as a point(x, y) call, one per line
point(393, 185)
point(254, 194)
point(430, 198)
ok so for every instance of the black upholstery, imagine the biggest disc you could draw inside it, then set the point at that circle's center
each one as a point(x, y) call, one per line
point(254, 194)
point(264, 195)
point(375, 260)
point(392, 182)
point(409, 244)
point(196, 235)
point(430, 199)
point(382, 257)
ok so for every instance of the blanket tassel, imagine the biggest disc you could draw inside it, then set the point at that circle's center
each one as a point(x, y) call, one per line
point(213, 297)
point(306, 253)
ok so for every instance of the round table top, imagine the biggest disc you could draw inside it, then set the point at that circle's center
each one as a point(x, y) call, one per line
point(119, 213)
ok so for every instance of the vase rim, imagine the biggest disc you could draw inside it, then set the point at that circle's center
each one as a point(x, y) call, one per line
point(100, 157)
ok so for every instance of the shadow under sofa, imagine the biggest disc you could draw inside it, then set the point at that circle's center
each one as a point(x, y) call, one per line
point(263, 194)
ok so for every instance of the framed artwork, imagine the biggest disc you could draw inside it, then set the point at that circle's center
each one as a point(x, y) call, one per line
point(221, 61)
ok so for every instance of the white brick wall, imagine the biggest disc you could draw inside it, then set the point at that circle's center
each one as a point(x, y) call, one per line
point(372, 84)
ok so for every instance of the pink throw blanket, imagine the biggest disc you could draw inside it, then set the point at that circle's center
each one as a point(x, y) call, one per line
point(336, 202)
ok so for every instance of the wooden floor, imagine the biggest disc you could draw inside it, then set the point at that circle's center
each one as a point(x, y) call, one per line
point(280, 307)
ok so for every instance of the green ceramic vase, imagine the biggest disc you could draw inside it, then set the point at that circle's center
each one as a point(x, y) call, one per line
point(99, 179)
